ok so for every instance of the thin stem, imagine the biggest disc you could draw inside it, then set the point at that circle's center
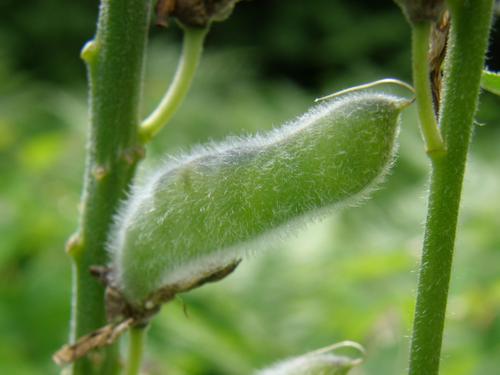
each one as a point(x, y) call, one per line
point(428, 124)
point(137, 337)
point(115, 60)
point(191, 52)
point(466, 50)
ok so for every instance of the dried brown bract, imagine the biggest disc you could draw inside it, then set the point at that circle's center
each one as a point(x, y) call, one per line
point(122, 315)
point(94, 340)
point(194, 13)
point(437, 53)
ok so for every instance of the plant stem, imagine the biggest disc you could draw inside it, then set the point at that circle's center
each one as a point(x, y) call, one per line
point(421, 80)
point(191, 52)
point(115, 62)
point(135, 349)
point(466, 50)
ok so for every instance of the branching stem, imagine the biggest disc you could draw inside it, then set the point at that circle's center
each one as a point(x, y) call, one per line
point(465, 59)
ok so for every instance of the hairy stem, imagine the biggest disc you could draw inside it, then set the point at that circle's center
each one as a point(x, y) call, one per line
point(191, 52)
point(115, 60)
point(135, 350)
point(466, 50)
point(428, 124)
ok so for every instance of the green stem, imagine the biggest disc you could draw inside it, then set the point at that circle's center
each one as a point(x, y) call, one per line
point(191, 52)
point(421, 80)
point(135, 350)
point(115, 61)
point(466, 50)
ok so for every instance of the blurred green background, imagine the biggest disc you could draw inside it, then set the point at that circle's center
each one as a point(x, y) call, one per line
point(351, 276)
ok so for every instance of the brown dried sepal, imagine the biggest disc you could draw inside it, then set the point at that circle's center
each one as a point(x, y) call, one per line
point(194, 13)
point(168, 292)
point(94, 340)
point(118, 308)
point(123, 315)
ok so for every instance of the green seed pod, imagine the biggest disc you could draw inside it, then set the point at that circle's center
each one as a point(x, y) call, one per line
point(323, 364)
point(205, 210)
point(320, 362)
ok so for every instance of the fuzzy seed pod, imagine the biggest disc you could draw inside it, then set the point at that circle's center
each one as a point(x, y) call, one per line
point(322, 364)
point(319, 362)
point(205, 210)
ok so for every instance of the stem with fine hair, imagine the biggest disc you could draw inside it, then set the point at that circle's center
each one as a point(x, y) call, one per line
point(420, 52)
point(135, 349)
point(191, 52)
point(115, 60)
point(465, 59)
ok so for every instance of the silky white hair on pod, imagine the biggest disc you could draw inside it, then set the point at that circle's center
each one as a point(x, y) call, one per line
point(205, 209)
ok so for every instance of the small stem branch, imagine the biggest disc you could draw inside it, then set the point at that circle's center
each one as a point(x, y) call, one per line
point(466, 50)
point(115, 60)
point(191, 52)
point(135, 349)
point(421, 80)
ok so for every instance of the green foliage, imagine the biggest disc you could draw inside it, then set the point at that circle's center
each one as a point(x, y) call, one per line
point(362, 261)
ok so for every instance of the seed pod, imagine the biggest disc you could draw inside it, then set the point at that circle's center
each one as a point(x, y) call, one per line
point(323, 364)
point(205, 210)
point(320, 362)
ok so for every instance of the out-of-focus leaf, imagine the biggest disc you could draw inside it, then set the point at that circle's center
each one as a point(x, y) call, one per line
point(490, 81)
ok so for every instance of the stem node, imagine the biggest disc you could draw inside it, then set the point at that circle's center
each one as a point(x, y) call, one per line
point(74, 244)
point(133, 155)
point(100, 172)
point(89, 51)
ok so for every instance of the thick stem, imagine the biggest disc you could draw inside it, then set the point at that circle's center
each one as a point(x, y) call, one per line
point(421, 80)
point(191, 52)
point(135, 350)
point(115, 62)
point(466, 50)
